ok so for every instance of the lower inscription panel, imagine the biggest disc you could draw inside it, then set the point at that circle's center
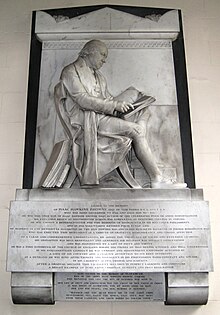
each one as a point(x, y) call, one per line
point(109, 286)
point(109, 236)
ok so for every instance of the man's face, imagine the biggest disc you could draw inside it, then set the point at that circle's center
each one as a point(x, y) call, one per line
point(98, 57)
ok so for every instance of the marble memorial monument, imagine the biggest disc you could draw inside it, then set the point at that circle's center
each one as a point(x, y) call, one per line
point(108, 214)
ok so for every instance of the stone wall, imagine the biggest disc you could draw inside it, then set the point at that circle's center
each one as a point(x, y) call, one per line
point(202, 43)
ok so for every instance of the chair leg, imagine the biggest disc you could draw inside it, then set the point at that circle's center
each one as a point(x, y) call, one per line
point(126, 175)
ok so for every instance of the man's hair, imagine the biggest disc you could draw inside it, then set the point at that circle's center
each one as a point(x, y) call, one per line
point(91, 47)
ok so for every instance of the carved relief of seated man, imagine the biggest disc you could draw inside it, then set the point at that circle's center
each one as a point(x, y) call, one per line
point(100, 139)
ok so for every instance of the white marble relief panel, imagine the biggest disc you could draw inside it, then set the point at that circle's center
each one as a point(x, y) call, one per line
point(148, 69)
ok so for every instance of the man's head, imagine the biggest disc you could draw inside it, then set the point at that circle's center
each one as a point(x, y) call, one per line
point(95, 53)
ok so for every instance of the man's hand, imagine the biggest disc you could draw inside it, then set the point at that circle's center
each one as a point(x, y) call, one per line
point(123, 107)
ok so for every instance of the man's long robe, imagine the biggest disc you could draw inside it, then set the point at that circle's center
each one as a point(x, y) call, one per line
point(87, 101)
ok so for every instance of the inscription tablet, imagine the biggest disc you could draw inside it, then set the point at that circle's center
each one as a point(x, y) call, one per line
point(109, 236)
point(109, 286)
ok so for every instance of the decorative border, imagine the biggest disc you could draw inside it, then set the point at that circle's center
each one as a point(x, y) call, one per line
point(111, 44)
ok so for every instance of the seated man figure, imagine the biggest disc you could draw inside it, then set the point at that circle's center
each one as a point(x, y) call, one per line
point(100, 138)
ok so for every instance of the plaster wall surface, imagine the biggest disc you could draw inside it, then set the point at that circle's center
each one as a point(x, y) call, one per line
point(202, 44)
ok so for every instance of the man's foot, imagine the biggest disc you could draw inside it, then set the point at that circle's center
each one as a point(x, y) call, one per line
point(167, 184)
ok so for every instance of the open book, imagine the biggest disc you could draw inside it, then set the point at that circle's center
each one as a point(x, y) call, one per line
point(138, 99)
point(143, 102)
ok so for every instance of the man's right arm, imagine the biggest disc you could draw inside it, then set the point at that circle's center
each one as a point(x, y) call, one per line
point(79, 94)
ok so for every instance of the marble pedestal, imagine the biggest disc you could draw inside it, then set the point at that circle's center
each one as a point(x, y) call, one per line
point(109, 244)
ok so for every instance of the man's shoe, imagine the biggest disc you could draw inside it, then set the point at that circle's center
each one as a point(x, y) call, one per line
point(167, 184)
